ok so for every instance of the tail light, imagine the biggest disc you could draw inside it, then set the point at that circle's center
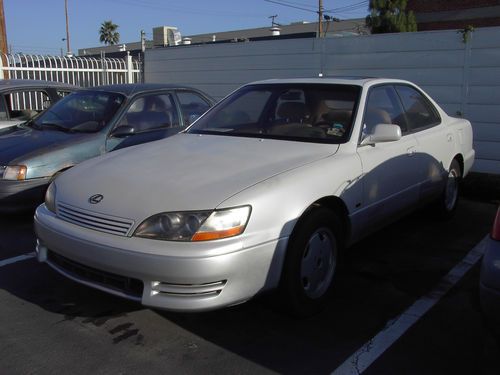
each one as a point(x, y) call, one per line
point(495, 231)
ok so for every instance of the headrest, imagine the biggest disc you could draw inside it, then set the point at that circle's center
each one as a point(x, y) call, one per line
point(292, 110)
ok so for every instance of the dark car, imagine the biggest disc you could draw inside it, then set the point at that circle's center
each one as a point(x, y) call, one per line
point(86, 124)
point(489, 286)
point(21, 99)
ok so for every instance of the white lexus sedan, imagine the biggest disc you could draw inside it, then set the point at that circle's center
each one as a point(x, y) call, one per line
point(263, 192)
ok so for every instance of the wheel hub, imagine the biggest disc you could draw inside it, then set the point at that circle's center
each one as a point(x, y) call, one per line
point(451, 190)
point(318, 263)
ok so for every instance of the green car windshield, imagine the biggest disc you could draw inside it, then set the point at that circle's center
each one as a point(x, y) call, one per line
point(321, 113)
point(83, 111)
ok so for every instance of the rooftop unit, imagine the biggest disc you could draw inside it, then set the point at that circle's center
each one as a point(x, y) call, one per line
point(166, 36)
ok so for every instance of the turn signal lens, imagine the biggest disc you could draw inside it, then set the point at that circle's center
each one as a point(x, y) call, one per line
point(223, 224)
point(495, 231)
point(15, 172)
point(206, 236)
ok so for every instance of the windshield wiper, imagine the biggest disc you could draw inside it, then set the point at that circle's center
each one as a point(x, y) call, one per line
point(57, 127)
point(32, 124)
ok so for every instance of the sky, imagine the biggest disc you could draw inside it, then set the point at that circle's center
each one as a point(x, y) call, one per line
point(38, 26)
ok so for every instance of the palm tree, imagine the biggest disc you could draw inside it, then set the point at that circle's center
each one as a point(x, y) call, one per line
point(108, 33)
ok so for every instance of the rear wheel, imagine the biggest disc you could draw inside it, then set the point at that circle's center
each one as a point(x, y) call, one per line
point(448, 201)
point(311, 262)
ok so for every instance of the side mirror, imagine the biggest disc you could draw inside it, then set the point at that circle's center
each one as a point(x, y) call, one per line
point(382, 133)
point(122, 131)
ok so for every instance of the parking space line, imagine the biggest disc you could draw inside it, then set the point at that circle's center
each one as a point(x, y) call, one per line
point(19, 258)
point(394, 329)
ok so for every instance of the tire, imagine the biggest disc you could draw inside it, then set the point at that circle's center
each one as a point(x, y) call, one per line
point(311, 262)
point(448, 202)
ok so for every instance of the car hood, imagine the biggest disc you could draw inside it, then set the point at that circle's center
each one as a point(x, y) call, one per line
point(181, 173)
point(19, 143)
point(7, 123)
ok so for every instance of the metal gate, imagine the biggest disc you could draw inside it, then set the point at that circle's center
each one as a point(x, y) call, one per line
point(79, 71)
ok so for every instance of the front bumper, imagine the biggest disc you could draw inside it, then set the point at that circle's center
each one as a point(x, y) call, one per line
point(22, 195)
point(175, 276)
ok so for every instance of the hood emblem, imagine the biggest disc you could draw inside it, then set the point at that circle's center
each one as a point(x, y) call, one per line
point(96, 198)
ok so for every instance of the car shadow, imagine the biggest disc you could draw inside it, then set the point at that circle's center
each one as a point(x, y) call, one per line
point(378, 279)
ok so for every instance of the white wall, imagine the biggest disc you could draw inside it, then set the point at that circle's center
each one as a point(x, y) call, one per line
point(462, 78)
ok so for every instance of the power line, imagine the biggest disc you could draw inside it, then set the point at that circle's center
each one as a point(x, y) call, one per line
point(339, 10)
point(291, 6)
point(294, 3)
point(354, 6)
point(176, 9)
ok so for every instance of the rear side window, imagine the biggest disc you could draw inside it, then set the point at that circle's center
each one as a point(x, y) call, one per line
point(22, 105)
point(3, 111)
point(420, 113)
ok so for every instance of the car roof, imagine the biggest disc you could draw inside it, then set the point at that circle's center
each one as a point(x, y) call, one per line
point(129, 89)
point(340, 80)
point(21, 83)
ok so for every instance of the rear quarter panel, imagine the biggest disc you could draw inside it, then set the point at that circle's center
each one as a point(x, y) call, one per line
point(463, 135)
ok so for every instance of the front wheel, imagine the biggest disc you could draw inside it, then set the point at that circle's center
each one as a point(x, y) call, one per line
point(310, 263)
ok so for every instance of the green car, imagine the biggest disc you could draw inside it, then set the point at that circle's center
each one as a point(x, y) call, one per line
point(86, 124)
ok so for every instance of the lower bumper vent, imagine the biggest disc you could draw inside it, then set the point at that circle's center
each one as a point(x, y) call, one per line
point(189, 290)
point(126, 285)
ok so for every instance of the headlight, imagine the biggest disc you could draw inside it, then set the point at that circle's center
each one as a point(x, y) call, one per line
point(50, 197)
point(195, 226)
point(14, 172)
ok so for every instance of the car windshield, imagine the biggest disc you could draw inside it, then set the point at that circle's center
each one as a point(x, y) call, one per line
point(83, 111)
point(301, 112)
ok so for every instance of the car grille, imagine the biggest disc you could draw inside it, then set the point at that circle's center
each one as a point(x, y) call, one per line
point(93, 220)
point(126, 285)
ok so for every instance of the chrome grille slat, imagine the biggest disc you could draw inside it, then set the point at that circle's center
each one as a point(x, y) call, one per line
point(189, 290)
point(90, 225)
point(94, 220)
point(97, 218)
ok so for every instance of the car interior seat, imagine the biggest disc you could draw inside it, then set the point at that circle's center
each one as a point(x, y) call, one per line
point(292, 112)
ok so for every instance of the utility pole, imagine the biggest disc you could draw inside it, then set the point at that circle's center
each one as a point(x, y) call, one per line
point(141, 55)
point(320, 18)
point(3, 32)
point(143, 41)
point(68, 48)
point(272, 20)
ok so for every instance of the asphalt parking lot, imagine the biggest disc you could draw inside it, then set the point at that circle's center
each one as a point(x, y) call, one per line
point(51, 325)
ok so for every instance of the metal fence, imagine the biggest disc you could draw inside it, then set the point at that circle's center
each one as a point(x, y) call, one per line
point(79, 71)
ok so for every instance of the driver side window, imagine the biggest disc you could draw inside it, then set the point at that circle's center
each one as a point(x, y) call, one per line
point(151, 112)
point(383, 107)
